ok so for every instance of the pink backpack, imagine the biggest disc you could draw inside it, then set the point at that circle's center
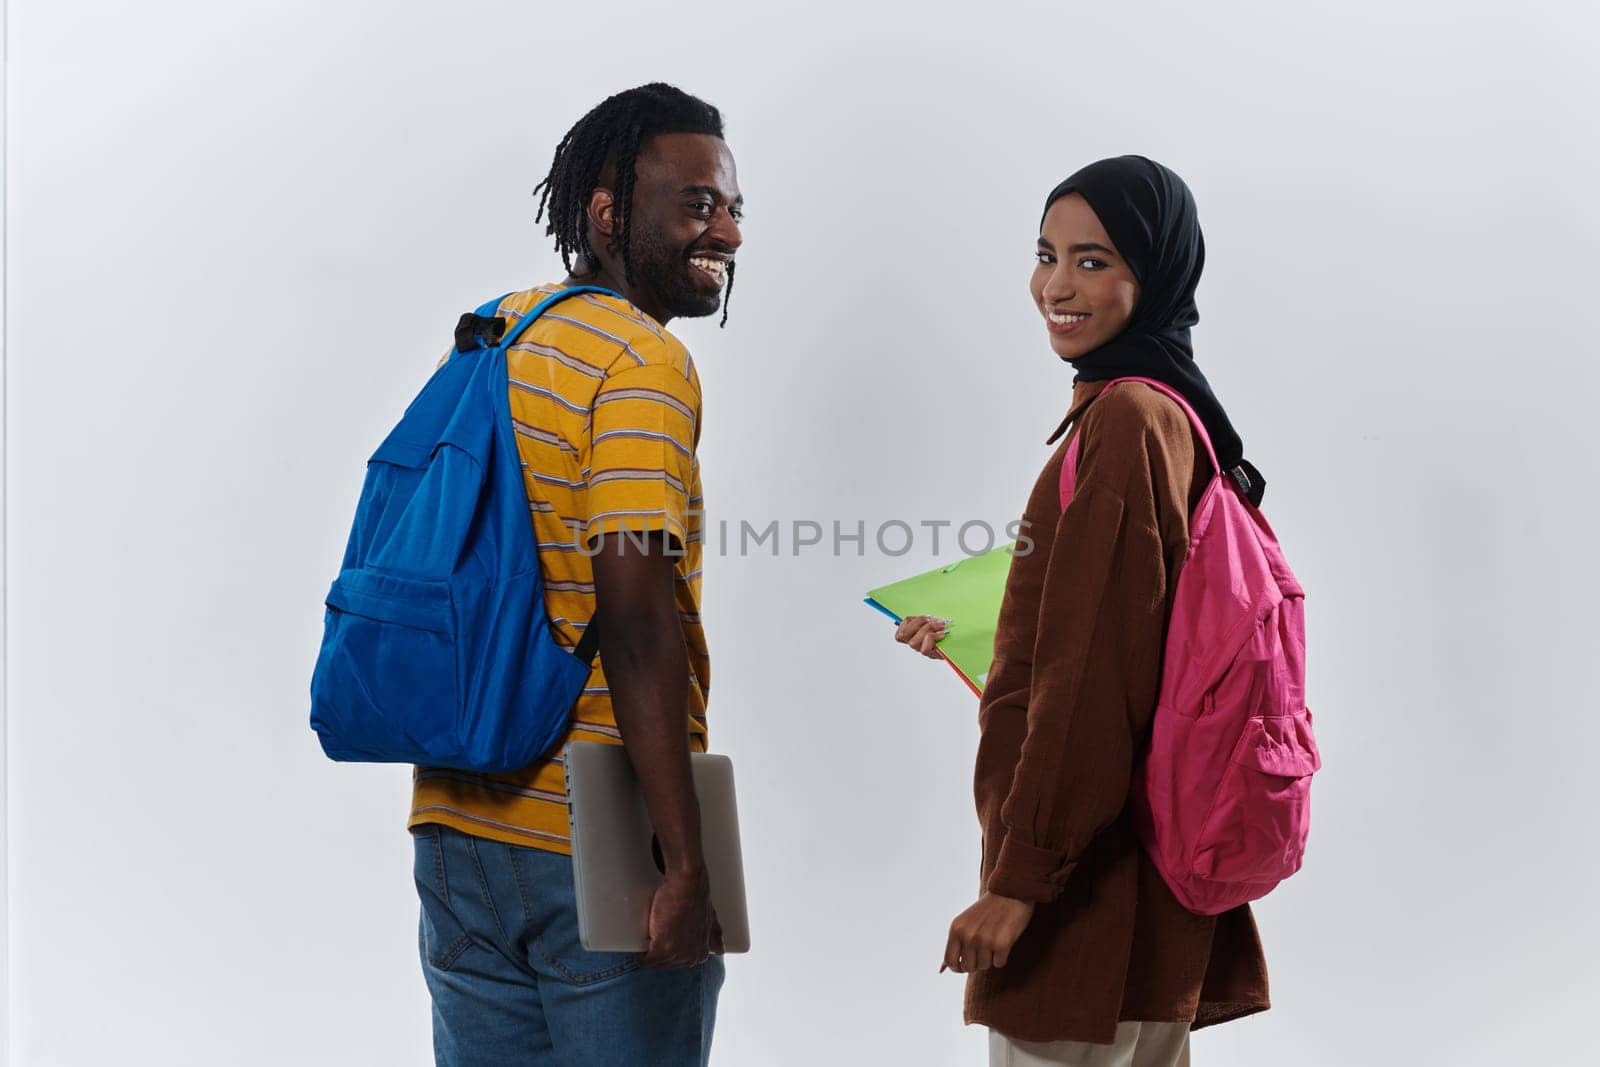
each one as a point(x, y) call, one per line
point(1222, 796)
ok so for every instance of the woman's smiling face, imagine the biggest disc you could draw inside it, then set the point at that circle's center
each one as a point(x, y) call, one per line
point(1082, 287)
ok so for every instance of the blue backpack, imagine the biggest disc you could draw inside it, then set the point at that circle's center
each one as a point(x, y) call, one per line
point(436, 648)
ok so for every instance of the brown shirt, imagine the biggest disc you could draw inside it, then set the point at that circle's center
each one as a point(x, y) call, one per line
point(1065, 712)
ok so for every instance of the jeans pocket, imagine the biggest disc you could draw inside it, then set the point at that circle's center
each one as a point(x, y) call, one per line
point(579, 965)
point(441, 936)
point(545, 881)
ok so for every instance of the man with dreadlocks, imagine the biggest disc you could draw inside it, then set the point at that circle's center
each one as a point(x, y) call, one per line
point(642, 199)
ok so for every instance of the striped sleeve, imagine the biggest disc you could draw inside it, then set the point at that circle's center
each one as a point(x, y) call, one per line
point(642, 442)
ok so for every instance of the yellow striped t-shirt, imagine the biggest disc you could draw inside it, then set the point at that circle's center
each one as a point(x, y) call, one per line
point(606, 408)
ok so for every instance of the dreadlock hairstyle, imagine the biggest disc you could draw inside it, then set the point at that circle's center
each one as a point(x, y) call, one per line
point(612, 133)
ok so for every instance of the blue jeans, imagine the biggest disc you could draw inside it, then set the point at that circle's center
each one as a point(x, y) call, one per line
point(511, 984)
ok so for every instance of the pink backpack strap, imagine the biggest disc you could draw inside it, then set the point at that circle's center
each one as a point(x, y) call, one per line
point(1069, 462)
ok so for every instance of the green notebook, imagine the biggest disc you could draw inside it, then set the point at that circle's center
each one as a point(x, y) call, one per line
point(968, 593)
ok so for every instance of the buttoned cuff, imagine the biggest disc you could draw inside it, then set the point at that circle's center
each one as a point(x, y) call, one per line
point(1026, 872)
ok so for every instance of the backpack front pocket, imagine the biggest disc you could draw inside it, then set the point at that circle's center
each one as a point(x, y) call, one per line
point(1256, 830)
point(386, 685)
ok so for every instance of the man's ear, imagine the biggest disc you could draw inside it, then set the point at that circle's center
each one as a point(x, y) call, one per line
point(603, 212)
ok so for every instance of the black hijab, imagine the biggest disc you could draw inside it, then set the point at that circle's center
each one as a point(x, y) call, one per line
point(1150, 216)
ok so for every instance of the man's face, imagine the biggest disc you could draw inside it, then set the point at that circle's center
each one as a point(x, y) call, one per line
point(685, 226)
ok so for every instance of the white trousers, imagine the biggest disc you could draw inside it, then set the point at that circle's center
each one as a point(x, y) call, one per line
point(1137, 1045)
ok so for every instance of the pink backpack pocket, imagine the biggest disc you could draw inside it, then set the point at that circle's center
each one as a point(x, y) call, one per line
point(1256, 829)
point(1221, 796)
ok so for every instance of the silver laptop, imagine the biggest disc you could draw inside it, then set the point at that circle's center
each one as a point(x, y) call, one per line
point(616, 859)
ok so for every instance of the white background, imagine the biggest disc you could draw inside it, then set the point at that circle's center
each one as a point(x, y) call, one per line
point(238, 237)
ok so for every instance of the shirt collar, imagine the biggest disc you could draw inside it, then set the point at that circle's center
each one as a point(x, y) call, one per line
point(1082, 394)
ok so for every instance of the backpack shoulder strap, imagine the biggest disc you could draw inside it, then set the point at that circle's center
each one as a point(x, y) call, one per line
point(486, 328)
point(548, 302)
point(588, 641)
point(1194, 418)
point(1069, 462)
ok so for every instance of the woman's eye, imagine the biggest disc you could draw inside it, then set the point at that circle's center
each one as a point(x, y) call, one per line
point(1044, 258)
point(1090, 263)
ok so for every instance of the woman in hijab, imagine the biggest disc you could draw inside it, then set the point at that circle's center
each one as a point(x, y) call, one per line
point(1076, 951)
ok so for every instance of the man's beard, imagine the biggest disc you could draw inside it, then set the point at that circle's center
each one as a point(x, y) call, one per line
point(665, 274)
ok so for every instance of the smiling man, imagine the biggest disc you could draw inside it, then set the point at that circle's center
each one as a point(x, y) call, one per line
point(643, 200)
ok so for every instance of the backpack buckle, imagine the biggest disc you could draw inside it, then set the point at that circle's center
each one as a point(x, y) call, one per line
point(1249, 481)
point(475, 331)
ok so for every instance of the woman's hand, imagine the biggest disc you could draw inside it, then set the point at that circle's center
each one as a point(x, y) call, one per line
point(981, 937)
point(922, 633)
